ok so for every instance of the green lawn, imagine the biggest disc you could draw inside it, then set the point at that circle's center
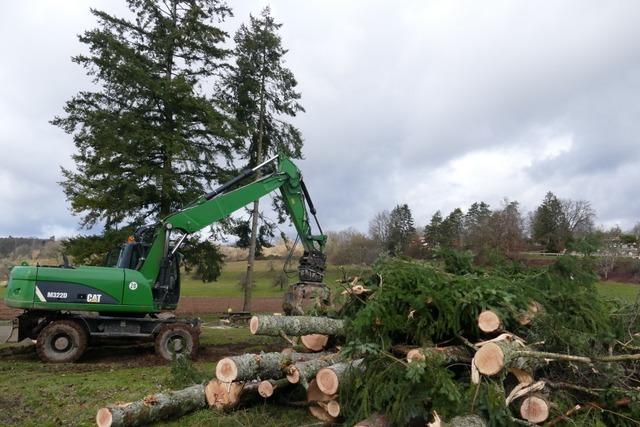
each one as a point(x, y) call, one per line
point(624, 291)
point(228, 285)
point(37, 394)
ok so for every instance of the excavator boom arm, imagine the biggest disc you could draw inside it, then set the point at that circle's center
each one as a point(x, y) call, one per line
point(220, 203)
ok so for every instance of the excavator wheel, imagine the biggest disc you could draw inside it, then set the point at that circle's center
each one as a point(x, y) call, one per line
point(61, 341)
point(179, 338)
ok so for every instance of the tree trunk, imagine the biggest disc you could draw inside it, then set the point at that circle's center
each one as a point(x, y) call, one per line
point(314, 342)
point(246, 305)
point(226, 396)
point(328, 379)
point(303, 372)
point(295, 325)
point(319, 408)
point(489, 321)
point(266, 388)
point(153, 408)
point(534, 408)
point(250, 366)
point(450, 354)
point(375, 420)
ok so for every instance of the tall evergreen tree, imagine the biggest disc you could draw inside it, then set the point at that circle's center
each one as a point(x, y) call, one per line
point(549, 225)
point(432, 231)
point(401, 229)
point(476, 226)
point(148, 139)
point(262, 94)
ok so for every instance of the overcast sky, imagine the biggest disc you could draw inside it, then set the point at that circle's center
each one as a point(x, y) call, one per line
point(432, 103)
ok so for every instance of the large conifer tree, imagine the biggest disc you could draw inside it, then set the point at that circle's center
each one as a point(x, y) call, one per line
point(148, 139)
point(262, 94)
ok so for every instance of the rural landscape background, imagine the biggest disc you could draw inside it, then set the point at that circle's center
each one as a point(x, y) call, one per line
point(472, 139)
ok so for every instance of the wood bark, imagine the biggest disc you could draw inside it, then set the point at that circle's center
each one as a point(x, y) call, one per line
point(492, 357)
point(459, 421)
point(153, 408)
point(328, 379)
point(251, 366)
point(451, 354)
point(295, 325)
point(375, 420)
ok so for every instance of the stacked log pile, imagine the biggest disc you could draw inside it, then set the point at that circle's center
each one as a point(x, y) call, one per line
point(416, 345)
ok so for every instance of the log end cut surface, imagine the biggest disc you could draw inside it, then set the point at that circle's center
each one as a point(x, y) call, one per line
point(314, 342)
point(253, 324)
point(489, 359)
point(226, 370)
point(265, 389)
point(534, 409)
point(104, 417)
point(321, 414)
point(333, 408)
point(327, 381)
point(488, 321)
point(415, 355)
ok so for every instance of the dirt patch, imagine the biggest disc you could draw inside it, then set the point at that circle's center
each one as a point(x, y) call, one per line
point(215, 305)
point(9, 415)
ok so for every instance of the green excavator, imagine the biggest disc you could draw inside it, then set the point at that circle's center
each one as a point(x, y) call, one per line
point(66, 306)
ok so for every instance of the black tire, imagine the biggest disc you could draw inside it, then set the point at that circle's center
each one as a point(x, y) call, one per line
point(184, 337)
point(61, 341)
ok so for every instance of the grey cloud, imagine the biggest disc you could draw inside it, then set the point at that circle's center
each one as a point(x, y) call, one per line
point(395, 95)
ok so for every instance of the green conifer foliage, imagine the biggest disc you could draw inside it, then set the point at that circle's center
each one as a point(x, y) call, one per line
point(416, 303)
point(148, 138)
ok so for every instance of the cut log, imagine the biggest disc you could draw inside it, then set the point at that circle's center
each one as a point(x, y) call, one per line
point(303, 372)
point(489, 322)
point(450, 354)
point(328, 379)
point(266, 388)
point(153, 408)
point(332, 407)
point(226, 396)
point(295, 325)
point(526, 317)
point(535, 409)
point(493, 357)
point(375, 420)
point(249, 366)
point(314, 342)
point(314, 394)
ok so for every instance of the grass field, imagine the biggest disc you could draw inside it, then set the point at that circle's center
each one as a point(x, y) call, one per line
point(624, 291)
point(37, 394)
point(228, 285)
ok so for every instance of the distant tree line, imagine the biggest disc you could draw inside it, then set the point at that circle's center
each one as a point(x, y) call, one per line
point(556, 226)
